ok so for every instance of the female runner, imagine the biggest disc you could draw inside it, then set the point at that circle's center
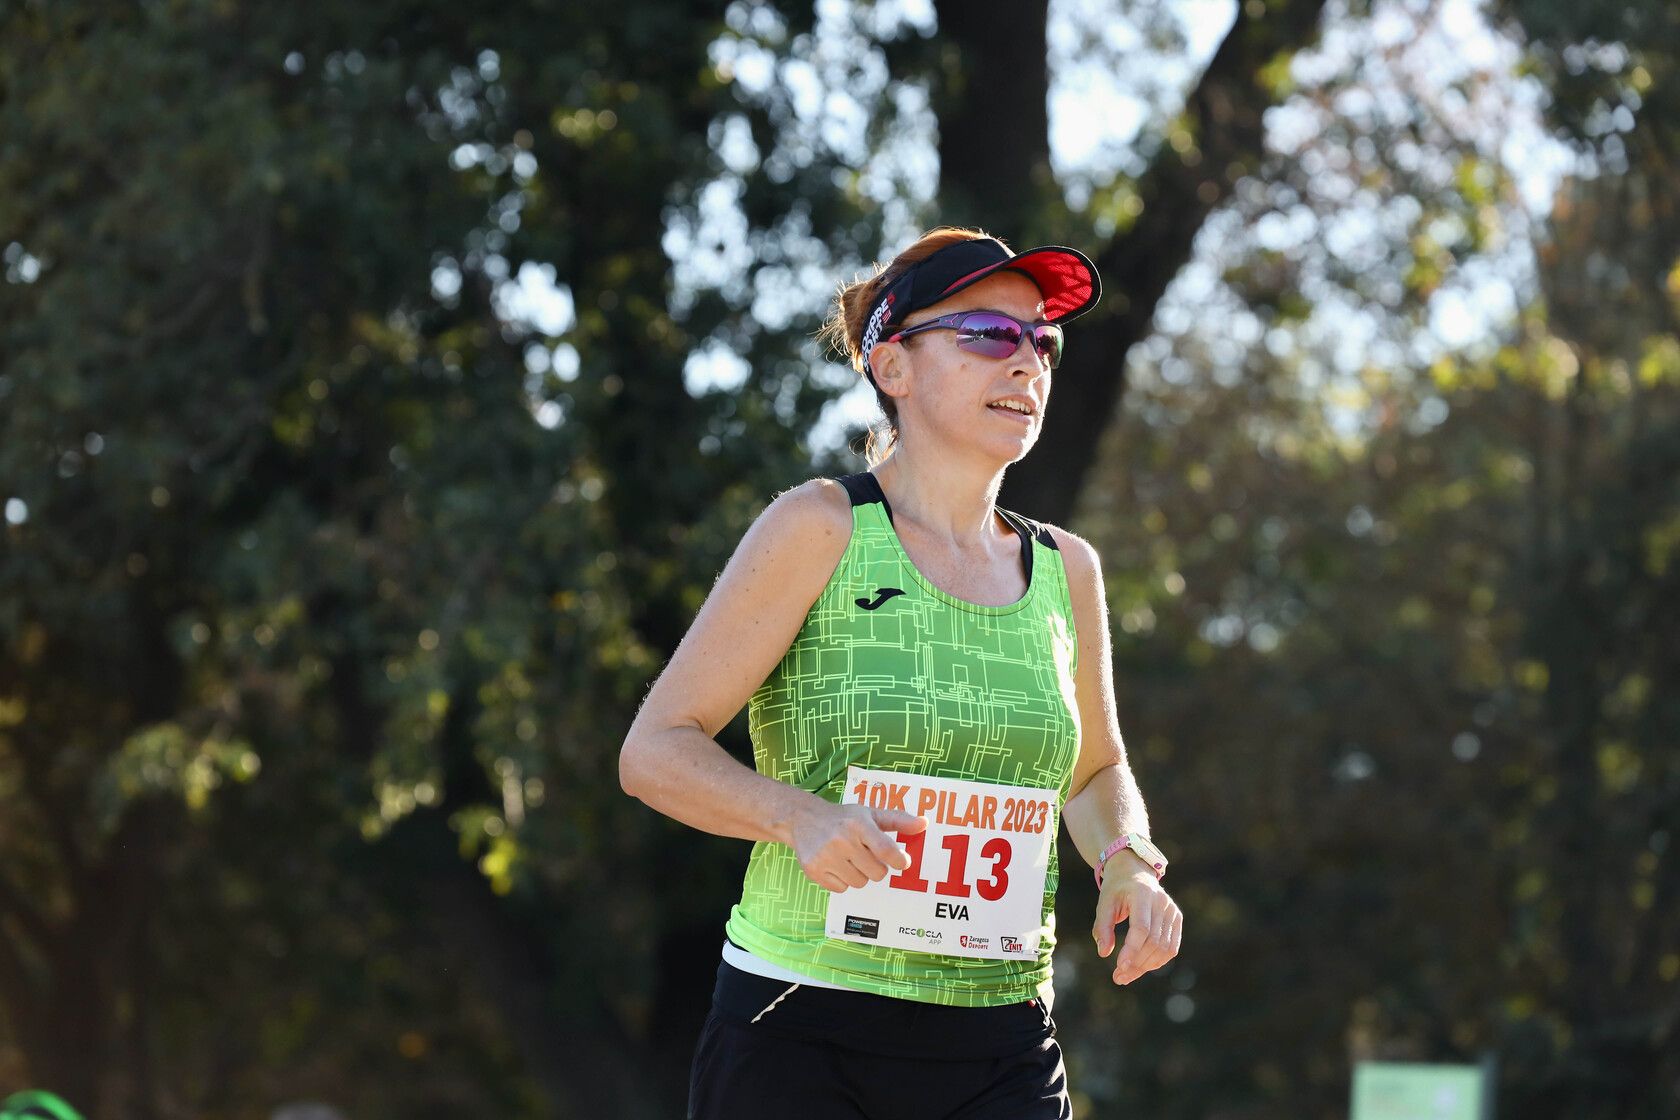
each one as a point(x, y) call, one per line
point(928, 687)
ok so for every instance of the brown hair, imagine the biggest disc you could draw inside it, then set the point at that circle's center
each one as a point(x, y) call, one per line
point(843, 331)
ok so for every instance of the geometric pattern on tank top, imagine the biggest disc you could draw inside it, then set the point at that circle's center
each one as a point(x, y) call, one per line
point(924, 683)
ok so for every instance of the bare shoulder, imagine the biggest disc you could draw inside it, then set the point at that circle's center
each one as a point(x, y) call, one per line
point(796, 543)
point(755, 609)
point(1079, 557)
point(819, 501)
point(815, 516)
point(1089, 602)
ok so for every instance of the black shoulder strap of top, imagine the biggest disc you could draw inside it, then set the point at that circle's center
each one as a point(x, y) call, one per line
point(1025, 529)
point(865, 488)
point(1029, 528)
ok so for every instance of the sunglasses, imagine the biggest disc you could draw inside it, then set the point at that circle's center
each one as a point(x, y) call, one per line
point(992, 334)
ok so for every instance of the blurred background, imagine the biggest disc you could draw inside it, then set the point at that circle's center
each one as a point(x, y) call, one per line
point(383, 384)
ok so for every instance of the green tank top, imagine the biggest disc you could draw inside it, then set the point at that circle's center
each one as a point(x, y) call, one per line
point(888, 672)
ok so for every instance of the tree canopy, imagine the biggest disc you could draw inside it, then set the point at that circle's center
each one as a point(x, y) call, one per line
point(382, 388)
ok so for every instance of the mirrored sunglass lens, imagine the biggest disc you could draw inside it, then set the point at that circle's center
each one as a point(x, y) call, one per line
point(991, 335)
point(1048, 340)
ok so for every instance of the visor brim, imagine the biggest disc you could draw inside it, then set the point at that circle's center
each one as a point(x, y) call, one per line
point(1065, 277)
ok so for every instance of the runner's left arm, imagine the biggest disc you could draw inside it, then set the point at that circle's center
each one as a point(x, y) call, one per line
point(1104, 801)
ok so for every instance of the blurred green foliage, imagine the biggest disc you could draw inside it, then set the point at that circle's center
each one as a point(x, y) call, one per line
point(1417, 691)
point(330, 581)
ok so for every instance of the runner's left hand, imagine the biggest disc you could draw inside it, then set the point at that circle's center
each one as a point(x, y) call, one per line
point(1157, 924)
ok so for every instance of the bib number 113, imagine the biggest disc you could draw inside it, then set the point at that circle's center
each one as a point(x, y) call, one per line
point(993, 886)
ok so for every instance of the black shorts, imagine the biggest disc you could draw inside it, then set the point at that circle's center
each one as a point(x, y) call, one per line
point(830, 1054)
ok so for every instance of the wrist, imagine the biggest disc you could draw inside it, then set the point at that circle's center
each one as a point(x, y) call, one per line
point(1140, 849)
point(791, 811)
point(1126, 863)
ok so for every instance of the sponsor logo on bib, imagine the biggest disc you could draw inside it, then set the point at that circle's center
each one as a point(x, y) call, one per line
point(863, 927)
point(931, 936)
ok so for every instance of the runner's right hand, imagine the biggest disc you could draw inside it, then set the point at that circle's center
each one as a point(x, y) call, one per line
point(843, 846)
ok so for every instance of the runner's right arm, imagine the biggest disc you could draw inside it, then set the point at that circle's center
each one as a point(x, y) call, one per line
point(670, 758)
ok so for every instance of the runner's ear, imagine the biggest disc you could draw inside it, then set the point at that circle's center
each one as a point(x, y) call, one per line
point(890, 365)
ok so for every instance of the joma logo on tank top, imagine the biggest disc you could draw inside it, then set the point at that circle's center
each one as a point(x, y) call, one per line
point(882, 594)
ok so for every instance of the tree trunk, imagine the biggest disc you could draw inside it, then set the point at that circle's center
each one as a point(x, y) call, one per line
point(993, 108)
point(1179, 190)
point(585, 1067)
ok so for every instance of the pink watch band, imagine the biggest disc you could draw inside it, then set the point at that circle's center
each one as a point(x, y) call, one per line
point(1119, 845)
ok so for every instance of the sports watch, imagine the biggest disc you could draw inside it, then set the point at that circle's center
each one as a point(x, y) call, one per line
point(1140, 844)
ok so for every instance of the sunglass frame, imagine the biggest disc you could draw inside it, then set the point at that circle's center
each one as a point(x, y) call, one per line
point(956, 320)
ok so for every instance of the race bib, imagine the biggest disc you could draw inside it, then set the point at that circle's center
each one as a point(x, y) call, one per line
point(975, 884)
